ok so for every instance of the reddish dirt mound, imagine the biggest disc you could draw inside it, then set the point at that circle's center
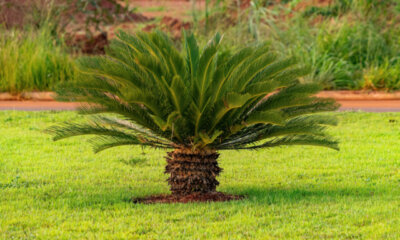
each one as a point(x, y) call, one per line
point(13, 12)
point(170, 24)
point(73, 17)
point(195, 197)
point(302, 5)
point(107, 13)
point(88, 45)
point(16, 13)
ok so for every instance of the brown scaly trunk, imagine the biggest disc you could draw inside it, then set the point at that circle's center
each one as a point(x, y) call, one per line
point(192, 171)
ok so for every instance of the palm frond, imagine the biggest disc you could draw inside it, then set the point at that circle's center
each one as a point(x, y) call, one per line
point(161, 96)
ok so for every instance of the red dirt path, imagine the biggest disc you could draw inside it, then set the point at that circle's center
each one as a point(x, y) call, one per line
point(159, 8)
point(364, 105)
point(37, 105)
point(370, 105)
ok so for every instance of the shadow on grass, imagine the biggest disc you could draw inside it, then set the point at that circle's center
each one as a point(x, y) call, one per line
point(101, 199)
point(108, 198)
point(292, 195)
point(134, 161)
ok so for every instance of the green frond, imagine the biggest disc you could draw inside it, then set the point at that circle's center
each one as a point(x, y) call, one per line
point(205, 98)
point(316, 106)
point(129, 125)
point(265, 117)
point(295, 95)
point(103, 143)
point(205, 69)
point(192, 55)
point(99, 144)
point(92, 128)
point(299, 140)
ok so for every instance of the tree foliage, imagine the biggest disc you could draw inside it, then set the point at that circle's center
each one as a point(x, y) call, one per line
point(195, 98)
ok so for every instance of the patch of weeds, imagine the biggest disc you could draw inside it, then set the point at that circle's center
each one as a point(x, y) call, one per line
point(33, 128)
point(14, 183)
point(134, 161)
point(8, 119)
point(52, 194)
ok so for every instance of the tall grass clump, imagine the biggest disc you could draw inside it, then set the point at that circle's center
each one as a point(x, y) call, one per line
point(32, 60)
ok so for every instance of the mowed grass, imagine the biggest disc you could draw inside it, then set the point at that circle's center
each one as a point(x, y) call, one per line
point(61, 190)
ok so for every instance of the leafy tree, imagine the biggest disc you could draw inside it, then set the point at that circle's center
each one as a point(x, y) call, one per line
point(195, 103)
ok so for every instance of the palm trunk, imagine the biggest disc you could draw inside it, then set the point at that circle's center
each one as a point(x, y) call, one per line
point(192, 171)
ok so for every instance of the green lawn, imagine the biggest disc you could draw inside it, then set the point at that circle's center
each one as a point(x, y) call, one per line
point(63, 191)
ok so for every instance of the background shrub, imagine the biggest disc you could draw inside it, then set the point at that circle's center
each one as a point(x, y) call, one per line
point(348, 44)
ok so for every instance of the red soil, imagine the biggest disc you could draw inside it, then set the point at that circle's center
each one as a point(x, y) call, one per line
point(173, 8)
point(366, 104)
point(37, 105)
point(170, 24)
point(52, 105)
point(302, 5)
point(348, 99)
point(195, 197)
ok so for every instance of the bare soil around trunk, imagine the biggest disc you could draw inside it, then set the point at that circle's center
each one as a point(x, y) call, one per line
point(195, 197)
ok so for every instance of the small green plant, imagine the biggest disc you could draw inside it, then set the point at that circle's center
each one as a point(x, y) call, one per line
point(196, 104)
point(257, 12)
point(207, 13)
point(194, 12)
point(14, 183)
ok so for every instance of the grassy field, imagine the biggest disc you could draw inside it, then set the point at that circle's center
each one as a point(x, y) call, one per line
point(63, 191)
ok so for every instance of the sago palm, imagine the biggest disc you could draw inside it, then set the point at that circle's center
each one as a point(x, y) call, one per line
point(195, 102)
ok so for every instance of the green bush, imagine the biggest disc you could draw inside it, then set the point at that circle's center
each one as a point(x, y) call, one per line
point(352, 50)
point(32, 61)
point(342, 56)
point(359, 44)
point(346, 43)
